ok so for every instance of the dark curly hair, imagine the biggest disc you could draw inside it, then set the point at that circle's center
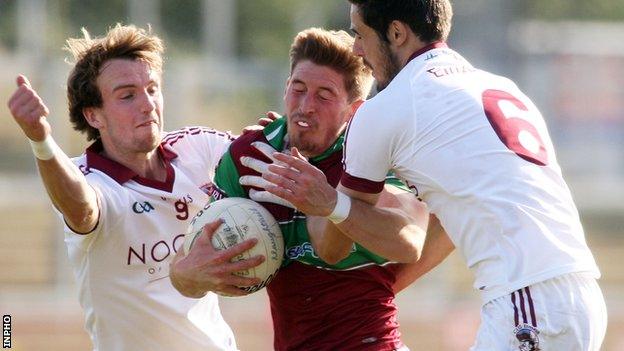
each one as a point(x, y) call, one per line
point(429, 19)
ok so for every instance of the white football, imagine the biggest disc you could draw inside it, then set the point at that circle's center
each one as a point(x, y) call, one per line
point(242, 219)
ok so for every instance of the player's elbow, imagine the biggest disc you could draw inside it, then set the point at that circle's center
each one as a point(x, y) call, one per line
point(82, 220)
point(412, 241)
point(406, 255)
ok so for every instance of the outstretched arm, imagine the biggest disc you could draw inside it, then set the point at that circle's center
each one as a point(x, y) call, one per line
point(391, 232)
point(66, 185)
point(387, 232)
point(391, 198)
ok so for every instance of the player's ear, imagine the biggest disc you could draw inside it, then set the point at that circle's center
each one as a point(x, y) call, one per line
point(92, 117)
point(397, 33)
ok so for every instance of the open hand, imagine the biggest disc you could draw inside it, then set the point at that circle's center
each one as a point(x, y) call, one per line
point(206, 269)
point(293, 179)
point(259, 182)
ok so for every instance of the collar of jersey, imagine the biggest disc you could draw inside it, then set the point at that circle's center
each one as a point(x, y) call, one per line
point(276, 132)
point(434, 45)
point(119, 172)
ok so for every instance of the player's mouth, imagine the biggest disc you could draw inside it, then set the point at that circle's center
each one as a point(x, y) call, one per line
point(303, 124)
point(147, 123)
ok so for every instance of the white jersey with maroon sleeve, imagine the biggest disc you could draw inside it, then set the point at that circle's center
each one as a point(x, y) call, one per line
point(476, 150)
point(122, 267)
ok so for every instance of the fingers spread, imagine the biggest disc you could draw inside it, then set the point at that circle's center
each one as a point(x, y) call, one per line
point(286, 172)
point(292, 161)
point(208, 232)
point(283, 193)
point(238, 249)
point(255, 164)
point(266, 149)
point(243, 265)
point(295, 152)
point(255, 181)
point(279, 181)
point(265, 196)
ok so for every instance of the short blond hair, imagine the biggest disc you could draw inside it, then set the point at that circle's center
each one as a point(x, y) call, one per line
point(333, 49)
point(121, 41)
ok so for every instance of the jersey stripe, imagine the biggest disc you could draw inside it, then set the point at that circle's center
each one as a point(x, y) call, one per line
point(173, 137)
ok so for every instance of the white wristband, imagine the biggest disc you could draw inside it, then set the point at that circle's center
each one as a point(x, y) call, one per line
point(45, 149)
point(341, 211)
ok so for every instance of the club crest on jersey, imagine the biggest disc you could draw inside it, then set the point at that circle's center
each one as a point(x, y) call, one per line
point(528, 336)
point(142, 207)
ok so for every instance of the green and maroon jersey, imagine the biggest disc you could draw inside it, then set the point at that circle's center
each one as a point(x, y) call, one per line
point(315, 305)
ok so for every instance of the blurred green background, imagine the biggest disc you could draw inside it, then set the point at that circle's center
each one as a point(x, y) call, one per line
point(226, 64)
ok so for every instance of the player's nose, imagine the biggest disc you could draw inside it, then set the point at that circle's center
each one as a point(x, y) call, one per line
point(148, 103)
point(308, 104)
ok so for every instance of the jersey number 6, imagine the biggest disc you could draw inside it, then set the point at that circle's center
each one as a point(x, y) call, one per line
point(503, 111)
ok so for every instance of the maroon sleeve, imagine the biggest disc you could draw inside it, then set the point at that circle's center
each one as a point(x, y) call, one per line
point(360, 184)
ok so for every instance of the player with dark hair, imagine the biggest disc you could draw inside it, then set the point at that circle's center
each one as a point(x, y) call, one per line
point(330, 293)
point(476, 150)
point(127, 201)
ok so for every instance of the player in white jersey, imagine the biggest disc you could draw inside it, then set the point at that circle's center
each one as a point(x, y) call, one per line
point(128, 200)
point(476, 150)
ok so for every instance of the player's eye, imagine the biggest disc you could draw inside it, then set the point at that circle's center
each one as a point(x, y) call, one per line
point(298, 88)
point(325, 95)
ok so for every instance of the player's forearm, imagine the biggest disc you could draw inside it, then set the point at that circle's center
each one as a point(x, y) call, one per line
point(387, 232)
point(329, 243)
point(70, 193)
point(437, 247)
point(410, 272)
